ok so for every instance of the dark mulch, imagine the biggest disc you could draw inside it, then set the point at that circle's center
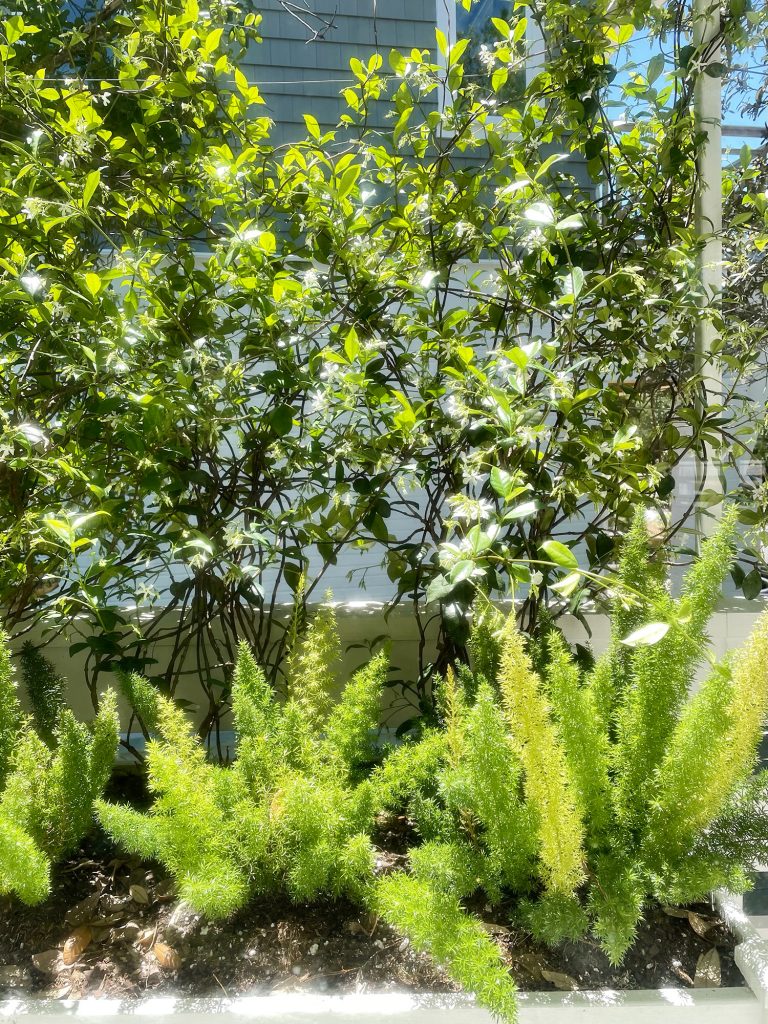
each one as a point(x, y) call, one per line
point(123, 909)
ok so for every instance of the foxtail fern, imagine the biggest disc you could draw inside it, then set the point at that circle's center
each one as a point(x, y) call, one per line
point(291, 813)
point(48, 779)
point(588, 795)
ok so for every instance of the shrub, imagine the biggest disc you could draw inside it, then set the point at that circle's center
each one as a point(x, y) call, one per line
point(291, 812)
point(588, 795)
point(49, 777)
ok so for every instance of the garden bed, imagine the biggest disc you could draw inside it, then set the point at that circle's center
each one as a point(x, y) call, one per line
point(138, 940)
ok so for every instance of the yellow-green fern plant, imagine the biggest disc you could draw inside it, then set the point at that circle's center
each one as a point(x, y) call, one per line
point(292, 813)
point(588, 795)
point(52, 768)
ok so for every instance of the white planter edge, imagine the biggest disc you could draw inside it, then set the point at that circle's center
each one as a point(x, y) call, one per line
point(705, 1006)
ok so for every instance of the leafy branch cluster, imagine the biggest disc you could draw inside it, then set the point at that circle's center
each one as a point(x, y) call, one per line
point(437, 345)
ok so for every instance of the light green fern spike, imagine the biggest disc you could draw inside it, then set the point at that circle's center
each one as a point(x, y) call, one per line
point(24, 868)
point(354, 719)
point(409, 769)
point(616, 901)
point(311, 668)
point(548, 783)
point(27, 799)
point(105, 736)
point(45, 689)
point(487, 783)
point(661, 675)
point(640, 578)
point(711, 751)
point(483, 643)
point(10, 711)
point(142, 697)
point(582, 734)
point(435, 923)
point(187, 828)
point(259, 751)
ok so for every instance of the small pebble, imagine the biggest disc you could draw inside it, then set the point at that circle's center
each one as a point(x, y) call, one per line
point(313, 949)
point(403, 945)
point(296, 970)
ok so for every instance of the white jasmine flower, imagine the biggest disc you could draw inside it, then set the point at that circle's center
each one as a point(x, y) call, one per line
point(32, 282)
point(34, 434)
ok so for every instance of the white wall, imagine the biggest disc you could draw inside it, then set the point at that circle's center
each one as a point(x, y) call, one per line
point(361, 622)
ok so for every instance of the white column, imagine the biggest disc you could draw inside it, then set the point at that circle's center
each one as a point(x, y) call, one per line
point(709, 223)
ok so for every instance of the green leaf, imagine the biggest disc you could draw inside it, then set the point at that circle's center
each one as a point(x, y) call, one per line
point(93, 283)
point(752, 585)
point(351, 345)
point(462, 570)
point(566, 586)
point(558, 553)
point(572, 223)
point(313, 126)
point(242, 83)
point(91, 184)
point(655, 67)
point(647, 635)
point(348, 180)
point(502, 482)
point(439, 588)
point(528, 508)
point(281, 420)
point(540, 213)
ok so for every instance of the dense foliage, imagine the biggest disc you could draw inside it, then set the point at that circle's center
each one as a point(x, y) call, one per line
point(292, 812)
point(447, 342)
point(587, 795)
point(49, 777)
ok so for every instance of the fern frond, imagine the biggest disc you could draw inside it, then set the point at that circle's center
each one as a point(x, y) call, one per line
point(410, 768)
point(142, 696)
point(640, 578)
point(257, 722)
point(435, 923)
point(487, 783)
point(10, 709)
point(105, 734)
point(581, 732)
point(661, 675)
point(132, 830)
point(24, 868)
point(555, 916)
point(353, 721)
point(548, 784)
point(483, 643)
point(311, 668)
point(45, 690)
point(616, 902)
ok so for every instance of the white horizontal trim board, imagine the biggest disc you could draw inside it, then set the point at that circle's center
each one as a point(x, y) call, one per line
point(707, 1006)
point(661, 1006)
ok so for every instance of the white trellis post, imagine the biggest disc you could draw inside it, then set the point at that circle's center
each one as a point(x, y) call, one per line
point(709, 224)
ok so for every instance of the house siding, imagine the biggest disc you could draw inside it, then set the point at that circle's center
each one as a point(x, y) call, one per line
point(298, 74)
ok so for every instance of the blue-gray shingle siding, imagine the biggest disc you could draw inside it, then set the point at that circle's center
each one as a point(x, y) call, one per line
point(298, 74)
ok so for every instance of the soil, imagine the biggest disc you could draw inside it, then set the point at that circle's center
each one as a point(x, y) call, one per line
point(113, 927)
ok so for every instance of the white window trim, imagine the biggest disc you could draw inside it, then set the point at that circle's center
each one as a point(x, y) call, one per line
point(445, 21)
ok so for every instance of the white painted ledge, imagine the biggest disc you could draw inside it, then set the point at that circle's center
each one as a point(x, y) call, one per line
point(662, 1006)
point(707, 1006)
